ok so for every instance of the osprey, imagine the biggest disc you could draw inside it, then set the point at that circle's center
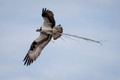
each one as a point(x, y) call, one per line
point(47, 31)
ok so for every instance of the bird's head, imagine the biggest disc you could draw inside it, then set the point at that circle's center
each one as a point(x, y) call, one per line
point(39, 30)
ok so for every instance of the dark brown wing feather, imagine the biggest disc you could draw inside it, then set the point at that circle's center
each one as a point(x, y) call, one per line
point(36, 49)
point(49, 15)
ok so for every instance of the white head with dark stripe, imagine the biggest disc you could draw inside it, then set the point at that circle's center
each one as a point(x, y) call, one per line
point(39, 30)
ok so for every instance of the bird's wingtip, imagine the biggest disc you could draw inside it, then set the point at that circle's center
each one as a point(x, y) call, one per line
point(27, 61)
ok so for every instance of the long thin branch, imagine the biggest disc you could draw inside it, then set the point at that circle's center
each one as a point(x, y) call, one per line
point(87, 39)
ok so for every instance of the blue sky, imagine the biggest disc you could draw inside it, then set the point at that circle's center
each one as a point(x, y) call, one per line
point(68, 59)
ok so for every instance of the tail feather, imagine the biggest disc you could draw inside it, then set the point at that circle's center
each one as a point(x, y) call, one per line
point(57, 32)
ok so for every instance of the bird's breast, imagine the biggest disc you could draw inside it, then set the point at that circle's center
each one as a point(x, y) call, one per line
point(47, 30)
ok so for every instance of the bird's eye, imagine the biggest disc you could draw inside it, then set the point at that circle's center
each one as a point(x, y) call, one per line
point(40, 28)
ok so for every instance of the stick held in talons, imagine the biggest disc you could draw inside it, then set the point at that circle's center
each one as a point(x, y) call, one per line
point(87, 39)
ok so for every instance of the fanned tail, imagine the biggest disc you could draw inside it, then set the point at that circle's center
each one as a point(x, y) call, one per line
point(57, 32)
point(87, 39)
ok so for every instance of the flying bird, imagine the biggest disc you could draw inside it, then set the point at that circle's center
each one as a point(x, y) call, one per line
point(47, 31)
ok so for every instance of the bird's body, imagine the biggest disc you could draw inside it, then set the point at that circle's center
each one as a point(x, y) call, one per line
point(47, 31)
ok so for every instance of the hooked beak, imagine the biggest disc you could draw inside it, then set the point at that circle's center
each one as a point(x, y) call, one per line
point(38, 30)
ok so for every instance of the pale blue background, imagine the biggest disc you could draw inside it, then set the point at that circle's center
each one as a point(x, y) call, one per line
point(66, 59)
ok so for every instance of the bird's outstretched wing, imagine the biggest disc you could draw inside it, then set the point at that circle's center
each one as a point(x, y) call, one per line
point(48, 17)
point(36, 48)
